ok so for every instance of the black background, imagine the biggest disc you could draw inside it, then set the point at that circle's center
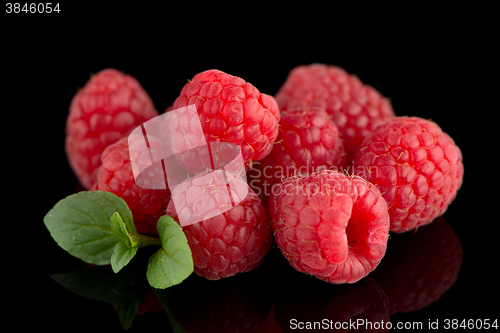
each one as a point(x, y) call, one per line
point(435, 66)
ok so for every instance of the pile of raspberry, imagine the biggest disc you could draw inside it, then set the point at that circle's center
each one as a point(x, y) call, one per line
point(230, 234)
point(331, 170)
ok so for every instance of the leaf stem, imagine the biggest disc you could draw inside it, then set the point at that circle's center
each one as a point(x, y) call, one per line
point(147, 240)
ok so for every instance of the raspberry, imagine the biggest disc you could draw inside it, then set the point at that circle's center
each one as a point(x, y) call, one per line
point(191, 150)
point(415, 165)
point(330, 225)
point(310, 139)
point(226, 241)
point(233, 110)
point(418, 269)
point(108, 107)
point(308, 142)
point(115, 175)
point(355, 107)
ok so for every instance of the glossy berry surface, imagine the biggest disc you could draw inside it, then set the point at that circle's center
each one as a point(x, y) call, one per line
point(308, 141)
point(115, 175)
point(232, 110)
point(416, 166)
point(109, 106)
point(330, 225)
point(355, 108)
point(224, 223)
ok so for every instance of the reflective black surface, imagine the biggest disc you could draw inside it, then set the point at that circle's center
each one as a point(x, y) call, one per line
point(446, 270)
point(421, 279)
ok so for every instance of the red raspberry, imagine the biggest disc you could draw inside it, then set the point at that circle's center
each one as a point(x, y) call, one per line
point(108, 107)
point(356, 108)
point(192, 153)
point(115, 175)
point(415, 165)
point(330, 225)
point(308, 142)
point(227, 240)
point(418, 269)
point(233, 110)
point(310, 139)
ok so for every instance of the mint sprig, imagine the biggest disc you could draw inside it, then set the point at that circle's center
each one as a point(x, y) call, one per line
point(122, 256)
point(80, 224)
point(120, 230)
point(98, 227)
point(126, 249)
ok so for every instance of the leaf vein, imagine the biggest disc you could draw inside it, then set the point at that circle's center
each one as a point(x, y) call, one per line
point(82, 225)
point(95, 240)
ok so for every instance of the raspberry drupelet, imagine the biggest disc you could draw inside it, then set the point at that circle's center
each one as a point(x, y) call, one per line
point(330, 225)
point(356, 108)
point(415, 165)
point(108, 107)
point(224, 242)
point(232, 110)
point(308, 141)
point(115, 175)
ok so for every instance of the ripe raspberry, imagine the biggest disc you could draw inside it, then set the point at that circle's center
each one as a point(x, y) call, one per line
point(415, 165)
point(108, 107)
point(226, 241)
point(330, 225)
point(308, 142)
point(192, 153)
point(115, 175)
point(355, 108)
point(233, 110)
point(418, 269)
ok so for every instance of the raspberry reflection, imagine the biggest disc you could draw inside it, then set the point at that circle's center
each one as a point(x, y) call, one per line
point(419, 268)
point(239, 304)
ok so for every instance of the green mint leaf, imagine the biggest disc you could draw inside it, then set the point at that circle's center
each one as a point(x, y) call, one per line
point(119, 229)
point(173, 263)
point(122, 255)
point(80, 224)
